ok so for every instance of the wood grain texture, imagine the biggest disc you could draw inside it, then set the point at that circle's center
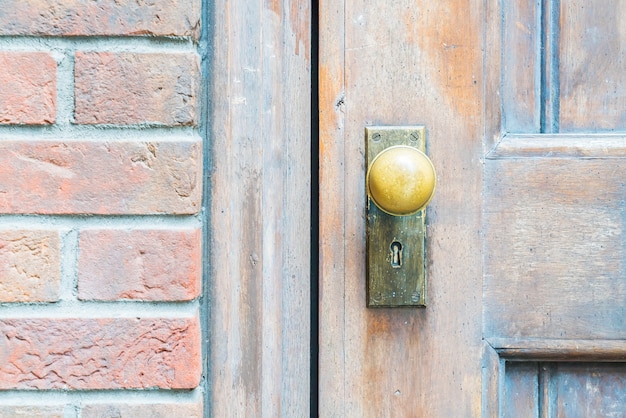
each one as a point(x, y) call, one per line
point(420, 64)
point(260, 203)
point(592, 65)
point(558, 72)
point(554, 248)
point(493, 61)
point(492, 381)
point(521, 390)
point(564, 389)
point(581, 390)
point(521, 66)
point(332, 205)
point(553, 210)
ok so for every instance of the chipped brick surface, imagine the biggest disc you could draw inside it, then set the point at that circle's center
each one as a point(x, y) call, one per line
point(128, 88)
point(45, 177)
point(123, 353)
point(17, 411)
point(86, 18)
point(30, 266)
point(162, 410)
point(100, 242)
point(28, 92)
point(157, 265)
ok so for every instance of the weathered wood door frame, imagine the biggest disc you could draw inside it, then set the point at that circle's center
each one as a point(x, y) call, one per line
point(259, 176)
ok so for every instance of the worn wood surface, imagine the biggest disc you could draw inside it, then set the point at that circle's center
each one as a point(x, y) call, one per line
point(554, 255)
point(410, 62)
point(563, 389)
point(259, 320)
point(521, 66)
point(492, 381)
point(592, 66)
point(521, 390)
point(332, 206)
point(555, 251)
point(553, 210)
point(587, 390)
point(563, 66)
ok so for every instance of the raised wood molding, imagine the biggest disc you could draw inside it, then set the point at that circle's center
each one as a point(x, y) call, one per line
point(559, 350)
point(559, 146)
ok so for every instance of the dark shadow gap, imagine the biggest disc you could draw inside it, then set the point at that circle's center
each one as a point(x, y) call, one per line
point(314, 273)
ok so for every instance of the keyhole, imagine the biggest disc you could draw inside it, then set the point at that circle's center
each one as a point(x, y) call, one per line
point(396, 255)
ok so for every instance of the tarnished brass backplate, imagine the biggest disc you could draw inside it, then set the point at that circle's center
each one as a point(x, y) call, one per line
point(395, 244)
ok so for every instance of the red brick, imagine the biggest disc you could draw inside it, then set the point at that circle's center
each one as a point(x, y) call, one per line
point(28, 93)
point(156, 265)
point(128, 88)
point(122, 353)
point(73, 177)
point(162, 410)
point(87, 18)
point(55, 411)
point(30, 268)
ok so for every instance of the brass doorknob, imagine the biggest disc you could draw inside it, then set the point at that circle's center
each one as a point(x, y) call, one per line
point(401, 180)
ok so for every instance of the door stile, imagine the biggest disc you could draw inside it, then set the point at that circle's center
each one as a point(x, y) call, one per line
point(401, 63)
point(492, 382)
point(332, 204)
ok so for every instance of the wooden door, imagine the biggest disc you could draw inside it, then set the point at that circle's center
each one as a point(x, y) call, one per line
point(525, 108)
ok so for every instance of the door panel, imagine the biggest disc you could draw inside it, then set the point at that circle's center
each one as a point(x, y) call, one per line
point(555, 245)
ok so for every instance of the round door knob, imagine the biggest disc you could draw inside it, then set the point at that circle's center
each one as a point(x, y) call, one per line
point(401, 180)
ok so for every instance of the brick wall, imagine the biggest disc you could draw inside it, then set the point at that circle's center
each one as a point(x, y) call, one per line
point(100, 201)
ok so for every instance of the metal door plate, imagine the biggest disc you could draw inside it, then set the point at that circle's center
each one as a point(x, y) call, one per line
point(395, 244)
